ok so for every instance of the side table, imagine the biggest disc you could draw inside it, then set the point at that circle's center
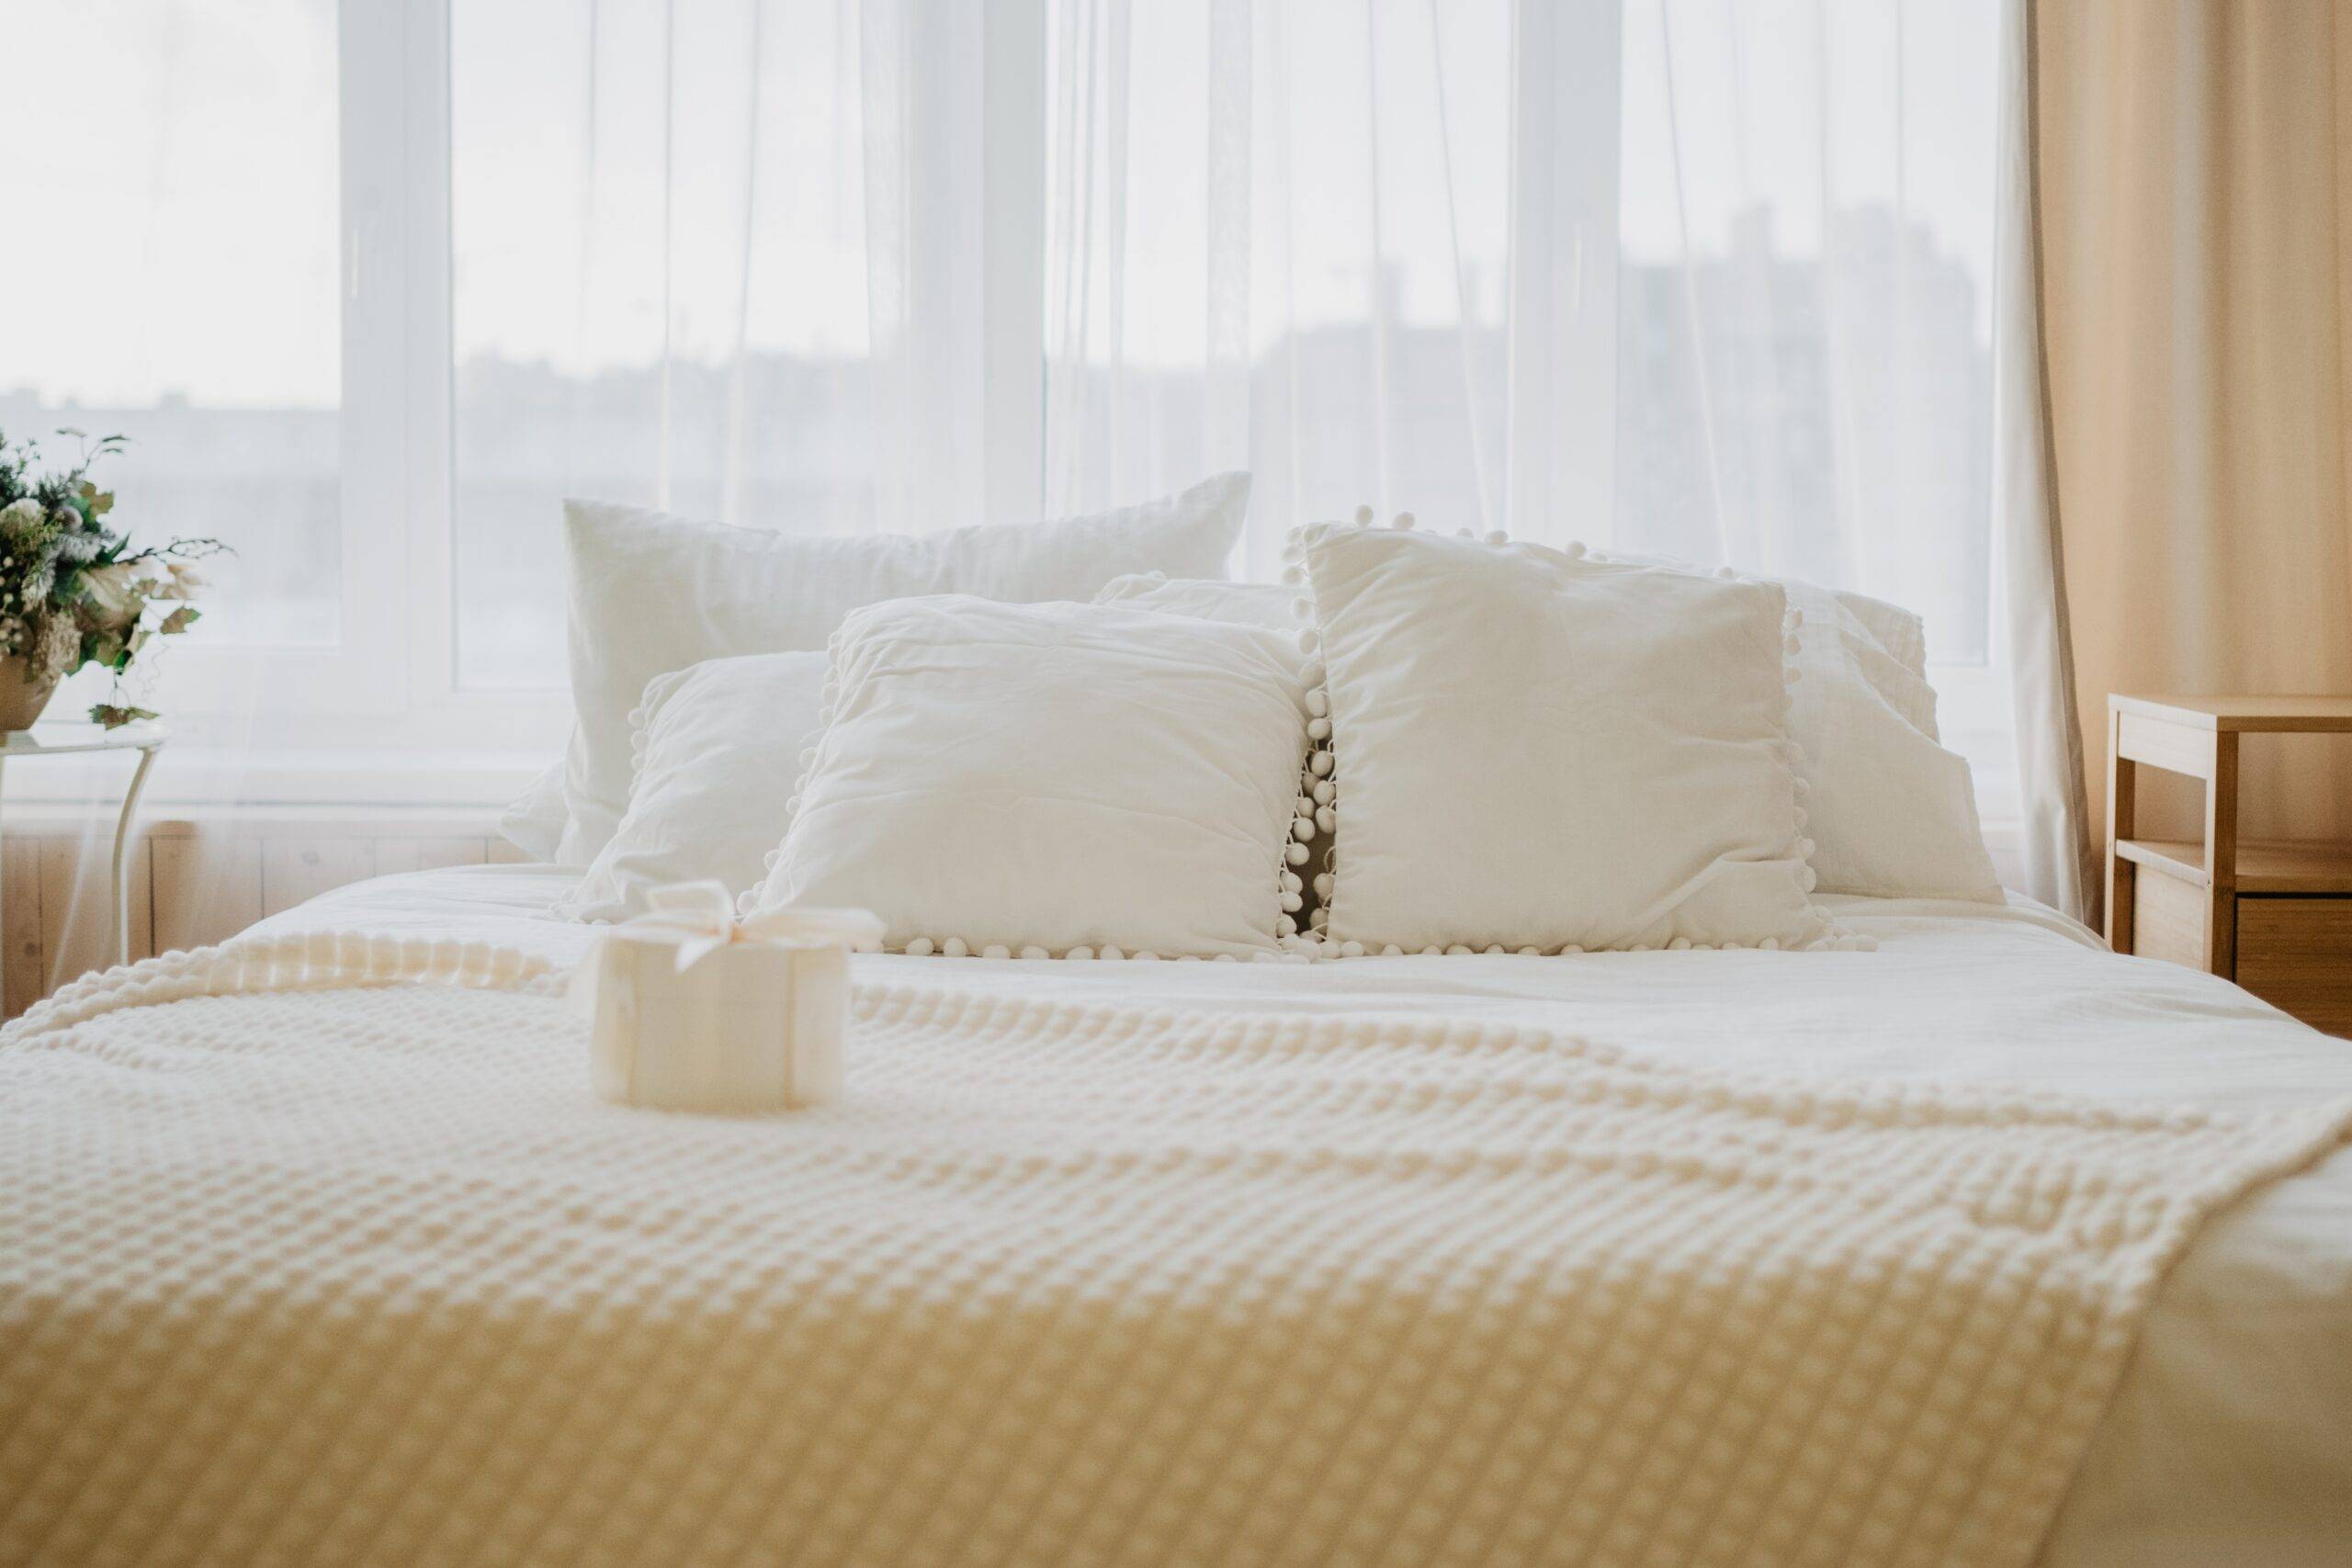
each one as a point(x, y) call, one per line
point(65, 740)
point(2275, 916)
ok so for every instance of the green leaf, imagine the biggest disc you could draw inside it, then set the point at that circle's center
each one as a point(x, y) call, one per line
point(179, 620)
point(113, 717)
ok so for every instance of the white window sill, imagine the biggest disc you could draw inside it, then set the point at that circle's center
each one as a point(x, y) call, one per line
point(348, 777)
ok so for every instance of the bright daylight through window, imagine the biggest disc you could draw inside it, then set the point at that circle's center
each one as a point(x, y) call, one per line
point(187, 297)
point(1708, 281)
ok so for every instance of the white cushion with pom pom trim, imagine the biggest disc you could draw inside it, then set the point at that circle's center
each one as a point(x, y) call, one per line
point(1540, 750)
point(1052, 779)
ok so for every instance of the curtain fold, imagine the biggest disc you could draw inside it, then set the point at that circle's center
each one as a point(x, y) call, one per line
point(2196, 171)
point(2054, 835)
point(924, 247)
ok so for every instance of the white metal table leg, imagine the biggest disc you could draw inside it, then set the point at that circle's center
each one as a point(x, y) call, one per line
point(122, 848)
point(5, 935)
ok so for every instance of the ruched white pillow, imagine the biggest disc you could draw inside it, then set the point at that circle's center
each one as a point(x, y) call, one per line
point(1538, 752)
point(1057, 780)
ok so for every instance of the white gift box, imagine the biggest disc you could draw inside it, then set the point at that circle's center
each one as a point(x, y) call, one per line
point(692, 1009)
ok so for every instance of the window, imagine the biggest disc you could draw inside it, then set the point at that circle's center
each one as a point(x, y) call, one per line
point(373, 286)
point(1806, 368)
point(172, 274)
point(230, 291)
point(656, 298)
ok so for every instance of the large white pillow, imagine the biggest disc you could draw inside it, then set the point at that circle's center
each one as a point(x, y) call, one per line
point(651, 594)
point(1051, 780)
point(717, 747)
point(1537, 751)
point(1267, 605)
point(1893, 814)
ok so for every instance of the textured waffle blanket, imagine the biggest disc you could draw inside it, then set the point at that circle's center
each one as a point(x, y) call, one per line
point(300, 1264)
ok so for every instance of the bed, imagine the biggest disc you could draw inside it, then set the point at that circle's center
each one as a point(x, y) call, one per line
point(2229, 1436)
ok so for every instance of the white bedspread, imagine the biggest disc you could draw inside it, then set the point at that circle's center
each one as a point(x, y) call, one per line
point(2231, 1435)
point(601, 1239)
point(304, 1262)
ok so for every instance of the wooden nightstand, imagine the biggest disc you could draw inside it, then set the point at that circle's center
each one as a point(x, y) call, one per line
point(2275, 916)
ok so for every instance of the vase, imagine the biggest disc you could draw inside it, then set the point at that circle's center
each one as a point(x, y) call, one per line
point(21, 695)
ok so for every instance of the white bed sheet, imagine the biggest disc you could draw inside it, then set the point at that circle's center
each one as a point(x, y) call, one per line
point(2231, 1433)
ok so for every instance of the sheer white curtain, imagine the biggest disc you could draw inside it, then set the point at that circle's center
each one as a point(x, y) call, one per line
point(679, 248)
point(1713, 277)
point(766, 260)
point(1280, 238)
point(1707, 278)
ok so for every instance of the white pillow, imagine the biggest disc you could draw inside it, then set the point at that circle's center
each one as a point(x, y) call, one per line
point(651, 594)
point(1264, 604)
point(717, 747)
point(1893, 814)
point(1540, 752)
point(534, 820)
point(1276, 608)
point(1062, 780)
point(1898, 632)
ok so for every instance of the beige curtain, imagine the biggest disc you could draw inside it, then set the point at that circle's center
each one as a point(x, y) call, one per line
point(2195, 164)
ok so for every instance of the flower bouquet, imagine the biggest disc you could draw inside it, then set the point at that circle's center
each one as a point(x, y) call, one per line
point(72, 590)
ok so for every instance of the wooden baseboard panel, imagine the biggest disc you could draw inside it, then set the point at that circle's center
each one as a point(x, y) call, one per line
point(198, 877)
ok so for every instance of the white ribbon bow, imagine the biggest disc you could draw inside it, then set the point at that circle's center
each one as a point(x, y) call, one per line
point(703, 913)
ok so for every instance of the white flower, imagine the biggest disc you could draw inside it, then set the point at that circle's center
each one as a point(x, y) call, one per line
point(117, 595)
point(23, 513)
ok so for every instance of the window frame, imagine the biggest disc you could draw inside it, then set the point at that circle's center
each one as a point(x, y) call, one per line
point(391, 678)
point(1566, 137)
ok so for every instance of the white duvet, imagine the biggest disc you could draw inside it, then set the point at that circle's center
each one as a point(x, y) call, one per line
point(2230, 1438)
